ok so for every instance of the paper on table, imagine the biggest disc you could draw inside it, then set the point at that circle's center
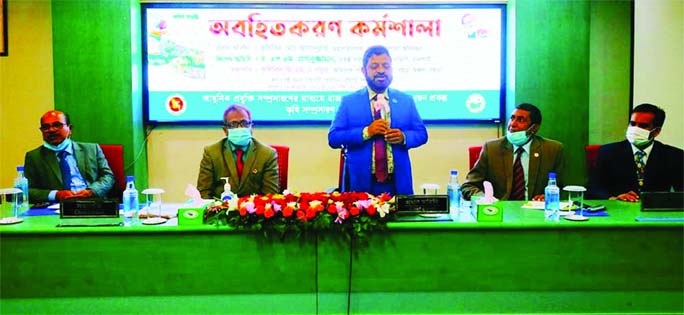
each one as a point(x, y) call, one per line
point(540, 205)
point(53, 206)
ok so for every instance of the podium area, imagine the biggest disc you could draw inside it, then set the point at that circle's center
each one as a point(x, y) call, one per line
point(611, 264)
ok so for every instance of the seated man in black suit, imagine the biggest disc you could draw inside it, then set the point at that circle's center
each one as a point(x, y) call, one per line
point(639, 163)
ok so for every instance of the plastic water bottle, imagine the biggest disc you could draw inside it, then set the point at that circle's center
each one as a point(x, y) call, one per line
point(130, 202)
point(551, 199)
point(454, 193)
point(21, 182)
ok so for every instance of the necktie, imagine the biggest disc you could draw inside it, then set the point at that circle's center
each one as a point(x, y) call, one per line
point(66, 171)
point(518, 185)
point(380, 152)
point(641, 167)
point(239, 163)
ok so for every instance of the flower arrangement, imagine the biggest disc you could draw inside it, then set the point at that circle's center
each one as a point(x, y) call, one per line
point(352, 213)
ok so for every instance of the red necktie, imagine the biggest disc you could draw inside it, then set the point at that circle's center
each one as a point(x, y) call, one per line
point(518, 185)
point(380, 154)
point(239, 163)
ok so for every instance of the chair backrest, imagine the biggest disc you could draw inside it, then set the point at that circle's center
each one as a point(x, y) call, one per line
point(114, 155)
point(283, 160)
point(591, 151)
point(474, 154)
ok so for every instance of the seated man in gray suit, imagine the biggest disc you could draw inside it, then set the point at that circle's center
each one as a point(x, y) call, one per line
point(62, 168)
point(252, 167)
point(518, 164)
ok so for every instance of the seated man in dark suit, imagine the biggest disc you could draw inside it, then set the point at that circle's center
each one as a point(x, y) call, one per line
point(62, 168)
point(639, 163)
point(252, 167)
point(518, 164)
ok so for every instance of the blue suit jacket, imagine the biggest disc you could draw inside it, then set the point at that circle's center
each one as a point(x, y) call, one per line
point(615, 171)
point(353, 115)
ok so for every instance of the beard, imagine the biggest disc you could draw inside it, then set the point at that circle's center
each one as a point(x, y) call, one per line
point(379, 83)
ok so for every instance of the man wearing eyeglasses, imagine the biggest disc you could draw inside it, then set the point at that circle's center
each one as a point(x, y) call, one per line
point(62, 168)
point(640, 163)
point(252, 167)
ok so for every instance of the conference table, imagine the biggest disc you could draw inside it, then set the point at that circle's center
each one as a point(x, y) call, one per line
point(609, 264)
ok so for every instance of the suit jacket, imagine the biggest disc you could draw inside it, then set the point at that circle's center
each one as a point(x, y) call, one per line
point(346, 129)
point(615, 171)
point(259, 175)
point(41, 168)
point(496, 166)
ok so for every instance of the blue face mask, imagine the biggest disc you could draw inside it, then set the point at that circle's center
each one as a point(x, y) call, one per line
point(59, 147)
point(240, 136)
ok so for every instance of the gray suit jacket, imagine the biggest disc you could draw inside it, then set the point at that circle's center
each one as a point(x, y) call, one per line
point(259, 176)
point(41, 168)
point(496, 166)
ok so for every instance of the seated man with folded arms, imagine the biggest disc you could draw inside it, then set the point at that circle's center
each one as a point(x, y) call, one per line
point(639, 163)
point(252, 167)
point(518, 164)
point(62, 168)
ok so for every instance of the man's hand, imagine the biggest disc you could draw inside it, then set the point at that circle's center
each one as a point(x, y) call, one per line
point(377, 127)
point(539, 197)
point(394, 136)
point(64, 194)
point(84, 194)
point(630, 196)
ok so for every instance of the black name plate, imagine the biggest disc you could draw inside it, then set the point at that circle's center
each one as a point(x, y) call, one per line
point(88, 208)
point(423, 204)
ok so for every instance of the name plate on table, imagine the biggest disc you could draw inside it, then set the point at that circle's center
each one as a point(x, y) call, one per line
point(423, 208)
point(89, 212)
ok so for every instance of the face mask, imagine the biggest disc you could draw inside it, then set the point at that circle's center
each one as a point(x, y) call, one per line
point(518, 138)
point(59, 147)
point(638, 136)
point(240, 136)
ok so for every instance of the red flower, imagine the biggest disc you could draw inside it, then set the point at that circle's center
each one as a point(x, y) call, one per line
point(371, 210)
point(310, 213)
point(332, 209)
point(259, 209)
point(269, 213)
point(354, 211)
point(287, 211)
point(301, 215)
point(243, 211)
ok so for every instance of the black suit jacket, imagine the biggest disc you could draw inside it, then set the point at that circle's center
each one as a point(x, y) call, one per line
point(615, 171)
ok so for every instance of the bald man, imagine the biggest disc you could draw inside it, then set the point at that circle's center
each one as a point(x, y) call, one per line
point(61, 168)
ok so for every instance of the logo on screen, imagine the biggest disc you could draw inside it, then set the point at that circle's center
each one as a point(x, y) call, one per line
point(475, 103)
point(175, 105)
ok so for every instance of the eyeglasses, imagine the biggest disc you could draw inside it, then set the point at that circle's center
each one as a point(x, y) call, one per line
point(238, 124)
point(56, 125)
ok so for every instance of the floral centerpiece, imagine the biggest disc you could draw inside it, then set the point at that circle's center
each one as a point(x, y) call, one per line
point(352, 213)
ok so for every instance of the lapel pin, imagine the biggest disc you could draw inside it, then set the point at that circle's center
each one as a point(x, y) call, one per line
point(536, 154)
point(254, 171)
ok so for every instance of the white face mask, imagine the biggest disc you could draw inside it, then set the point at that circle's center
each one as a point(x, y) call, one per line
point(638, 136)
point(519, 138)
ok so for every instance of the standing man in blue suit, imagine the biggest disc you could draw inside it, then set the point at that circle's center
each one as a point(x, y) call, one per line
point(640, 163)
point(378, 125)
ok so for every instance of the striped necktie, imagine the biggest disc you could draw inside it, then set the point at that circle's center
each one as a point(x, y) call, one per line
point(65, 169)
point(518, 184)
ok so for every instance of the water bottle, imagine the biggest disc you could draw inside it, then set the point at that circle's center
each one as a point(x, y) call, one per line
point(21, 182)
point(454, 193)
point(130, 203)
point(551, 199)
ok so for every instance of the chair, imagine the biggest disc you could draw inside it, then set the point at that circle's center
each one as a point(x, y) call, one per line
point(283, 160)
point(474, 154)
point(591, 151)
point(114, 155)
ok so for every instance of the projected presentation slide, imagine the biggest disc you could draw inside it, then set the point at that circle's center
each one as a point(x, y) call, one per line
point(293, 63)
